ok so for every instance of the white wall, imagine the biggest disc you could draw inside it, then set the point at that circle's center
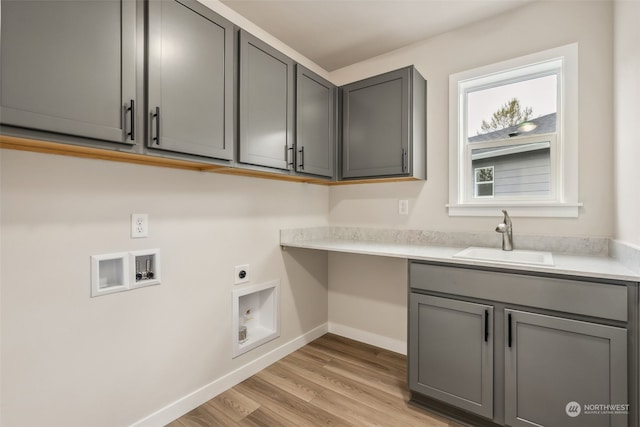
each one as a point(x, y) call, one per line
point(532, 28)
point(68, 359)
point(626, 115)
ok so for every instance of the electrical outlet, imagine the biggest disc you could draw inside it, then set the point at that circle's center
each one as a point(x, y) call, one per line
point(139, 225)
point(242, 274)
point(403, 207)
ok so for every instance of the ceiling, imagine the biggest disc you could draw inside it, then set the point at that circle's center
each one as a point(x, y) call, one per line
point(337, 33)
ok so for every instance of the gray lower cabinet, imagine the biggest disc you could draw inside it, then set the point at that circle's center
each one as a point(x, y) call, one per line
point(451, 352)
point(190, 79)
point(266, 105)
point(564, 349)
point(551, 362)
point(316, 129)
point(69, 67)
point(384, 126)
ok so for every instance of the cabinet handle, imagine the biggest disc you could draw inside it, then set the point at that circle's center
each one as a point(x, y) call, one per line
point(404, 160)
point(156, 116)
point(509, 330)
point(486, 326)
point(301, 151)
point(132, 109)
point(287, 155)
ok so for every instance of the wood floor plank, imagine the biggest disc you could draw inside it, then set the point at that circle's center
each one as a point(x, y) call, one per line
point(333, 381)
point(206, 416)
point(356, 355)
point(286, 404)
point(291, 382)
point(233, 404)
point(365, 395)
point(265, 417)
point(394, 385)
point(351, 411)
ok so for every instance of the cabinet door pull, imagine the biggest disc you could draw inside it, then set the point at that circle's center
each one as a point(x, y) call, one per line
point(301, 151)
point(288, 156)
point(404, 160)
point(509, 330)
point(486, 326)
point(156, 116)
point(132, 109)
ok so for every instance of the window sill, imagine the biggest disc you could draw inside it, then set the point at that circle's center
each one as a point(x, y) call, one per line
point(527, 209)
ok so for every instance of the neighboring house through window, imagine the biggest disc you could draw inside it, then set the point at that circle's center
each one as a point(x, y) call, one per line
point(513, 137)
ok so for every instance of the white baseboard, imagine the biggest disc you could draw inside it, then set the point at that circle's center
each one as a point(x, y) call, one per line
point(366, 337)
point(185, 404)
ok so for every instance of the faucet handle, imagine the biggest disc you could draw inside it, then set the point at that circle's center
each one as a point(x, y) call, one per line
point(507, 218)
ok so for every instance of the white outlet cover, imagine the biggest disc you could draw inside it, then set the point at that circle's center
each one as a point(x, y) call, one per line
point(403, 207)
point(239, 280)
point(139, 225)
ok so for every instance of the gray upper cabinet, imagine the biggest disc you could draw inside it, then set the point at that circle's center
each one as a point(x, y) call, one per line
point(316, 129)
point(266, 105)
point(384, 126)
point(551, 361)
point(190, 78)
point(69, 67)
point(451, 352)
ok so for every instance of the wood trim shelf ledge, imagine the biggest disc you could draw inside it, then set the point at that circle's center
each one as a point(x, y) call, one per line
point(49, 147)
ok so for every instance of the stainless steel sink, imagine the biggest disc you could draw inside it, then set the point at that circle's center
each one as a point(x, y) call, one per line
point(509, 257)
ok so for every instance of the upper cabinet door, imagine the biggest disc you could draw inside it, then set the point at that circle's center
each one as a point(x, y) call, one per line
point(266, 104)
point(384, 123)
point(190, 79)
point(315, 123)
point(69, 67)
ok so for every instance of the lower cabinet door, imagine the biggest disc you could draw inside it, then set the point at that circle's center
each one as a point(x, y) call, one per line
point(561, 372)
point(451, 352)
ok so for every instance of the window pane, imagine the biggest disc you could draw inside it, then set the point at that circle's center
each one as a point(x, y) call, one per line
point(516, 170)
point(499, 112)
point(484, 190)
point(484, 174)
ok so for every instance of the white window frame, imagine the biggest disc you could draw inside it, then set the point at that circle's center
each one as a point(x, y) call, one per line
point(563, 200)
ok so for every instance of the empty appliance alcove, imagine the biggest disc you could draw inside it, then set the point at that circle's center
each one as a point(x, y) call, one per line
point(256, 308)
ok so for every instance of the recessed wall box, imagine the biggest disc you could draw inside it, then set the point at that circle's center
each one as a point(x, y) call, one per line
point(109, 273)
point(144, 268)
point(256, 316)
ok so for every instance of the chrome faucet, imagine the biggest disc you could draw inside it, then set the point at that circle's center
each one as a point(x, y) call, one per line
point(506, 229)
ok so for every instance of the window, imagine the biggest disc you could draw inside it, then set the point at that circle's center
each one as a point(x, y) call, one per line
point(513, 137)
point(484, 181)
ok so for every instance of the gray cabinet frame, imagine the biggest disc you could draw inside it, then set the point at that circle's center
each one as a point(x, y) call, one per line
point(190, 115)
point(451, 351)
point(384, 126)
point(316, 129)
point(266, 97)
point(87, 85)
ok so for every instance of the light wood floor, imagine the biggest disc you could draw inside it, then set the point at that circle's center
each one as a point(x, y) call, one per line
point(332, 381)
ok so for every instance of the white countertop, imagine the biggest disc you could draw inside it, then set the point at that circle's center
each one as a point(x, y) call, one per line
point(583, 266)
